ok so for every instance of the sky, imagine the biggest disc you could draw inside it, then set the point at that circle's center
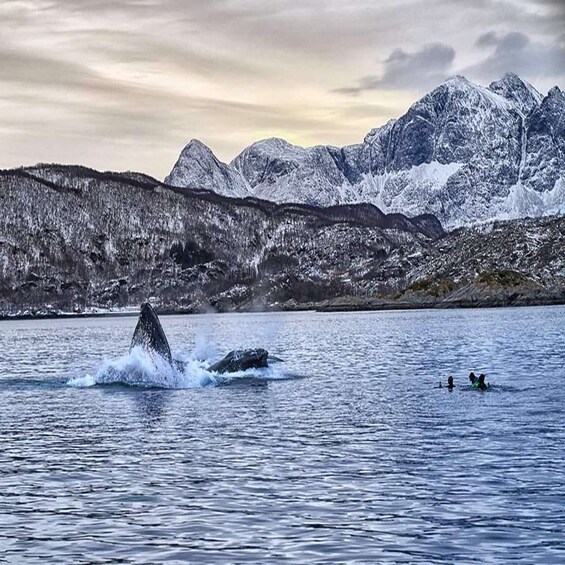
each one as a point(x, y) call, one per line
point(124, 85)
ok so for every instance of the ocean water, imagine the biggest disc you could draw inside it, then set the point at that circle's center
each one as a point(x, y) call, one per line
point(345, 452)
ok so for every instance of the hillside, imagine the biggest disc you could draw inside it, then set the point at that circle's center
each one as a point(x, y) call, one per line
point(73, 239)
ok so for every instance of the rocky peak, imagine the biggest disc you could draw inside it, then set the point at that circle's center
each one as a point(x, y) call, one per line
point(195, 154)
point(553, 107)
point(518, 91)
point(198, 168)
point(555, 98)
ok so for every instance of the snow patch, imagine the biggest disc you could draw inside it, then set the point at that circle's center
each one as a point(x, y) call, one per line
point(407, 191)
point(525, 202)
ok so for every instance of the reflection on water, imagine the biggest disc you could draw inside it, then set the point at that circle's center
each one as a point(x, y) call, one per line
point(151, 407)
point(361, 460)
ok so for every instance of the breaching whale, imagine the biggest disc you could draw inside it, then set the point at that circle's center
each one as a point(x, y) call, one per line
point(149, 335)
point(241, 360)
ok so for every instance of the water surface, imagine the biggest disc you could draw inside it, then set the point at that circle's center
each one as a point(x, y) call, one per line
point(361, 460)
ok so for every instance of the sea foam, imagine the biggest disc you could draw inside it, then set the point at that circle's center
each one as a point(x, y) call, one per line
point(189, 370)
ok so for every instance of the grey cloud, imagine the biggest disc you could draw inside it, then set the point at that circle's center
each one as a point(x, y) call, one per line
point(516, 52)
point(307, 27)
point(137, 48)
point(117, 102)
point(135, 79)
point(486, 39)
point(33, 69)
point(431, 65)
point(420, 70)
point(555, 8)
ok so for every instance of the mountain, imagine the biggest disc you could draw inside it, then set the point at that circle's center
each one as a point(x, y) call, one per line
point(464, 153)
point(198, 167)
point(74, 239)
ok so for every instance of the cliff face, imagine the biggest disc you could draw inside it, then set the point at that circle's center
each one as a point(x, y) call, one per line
point(464, 153)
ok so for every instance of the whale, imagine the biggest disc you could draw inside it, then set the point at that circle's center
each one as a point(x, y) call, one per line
point(150, 337)
point(241, 360)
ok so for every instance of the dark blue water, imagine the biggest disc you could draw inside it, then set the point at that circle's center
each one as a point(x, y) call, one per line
point(362, 460)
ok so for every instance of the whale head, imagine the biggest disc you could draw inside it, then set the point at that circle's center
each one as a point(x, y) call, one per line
point(241, 360)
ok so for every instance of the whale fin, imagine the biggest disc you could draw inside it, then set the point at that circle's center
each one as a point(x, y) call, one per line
point(149, 334)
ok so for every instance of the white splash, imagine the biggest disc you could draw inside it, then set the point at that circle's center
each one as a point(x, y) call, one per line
point(190, 370)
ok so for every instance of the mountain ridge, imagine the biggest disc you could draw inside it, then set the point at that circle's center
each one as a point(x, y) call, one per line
point(73, 239)
point(463, 152)
point(64, 177)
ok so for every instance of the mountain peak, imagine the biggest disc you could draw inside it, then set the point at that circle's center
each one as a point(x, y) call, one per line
point(275, 144)
point(517, 90)
point(462, 89)
point(194, 147)
point(273, 147)
point(556, 92)
point(197, 167)
point(457, 81)
point(512, 79)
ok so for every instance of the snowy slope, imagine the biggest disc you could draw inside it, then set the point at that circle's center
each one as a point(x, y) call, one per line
point(464, 152)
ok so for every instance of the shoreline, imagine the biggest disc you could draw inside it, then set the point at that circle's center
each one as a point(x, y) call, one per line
point(343, 304)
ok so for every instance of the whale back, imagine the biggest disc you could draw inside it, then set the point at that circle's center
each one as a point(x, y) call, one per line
point(149, 334)
point(241, 360)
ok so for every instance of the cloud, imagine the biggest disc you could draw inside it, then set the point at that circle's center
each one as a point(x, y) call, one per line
point(420, 70)
point(555, 9)
point(486, 39)
point(516, 52)
point(126, 84)
point(431, 65)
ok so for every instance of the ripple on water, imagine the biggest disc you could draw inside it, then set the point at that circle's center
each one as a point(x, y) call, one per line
point(363, 460)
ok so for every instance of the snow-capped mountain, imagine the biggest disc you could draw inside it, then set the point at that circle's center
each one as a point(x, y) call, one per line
point(198, 167)
point(464, 152)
